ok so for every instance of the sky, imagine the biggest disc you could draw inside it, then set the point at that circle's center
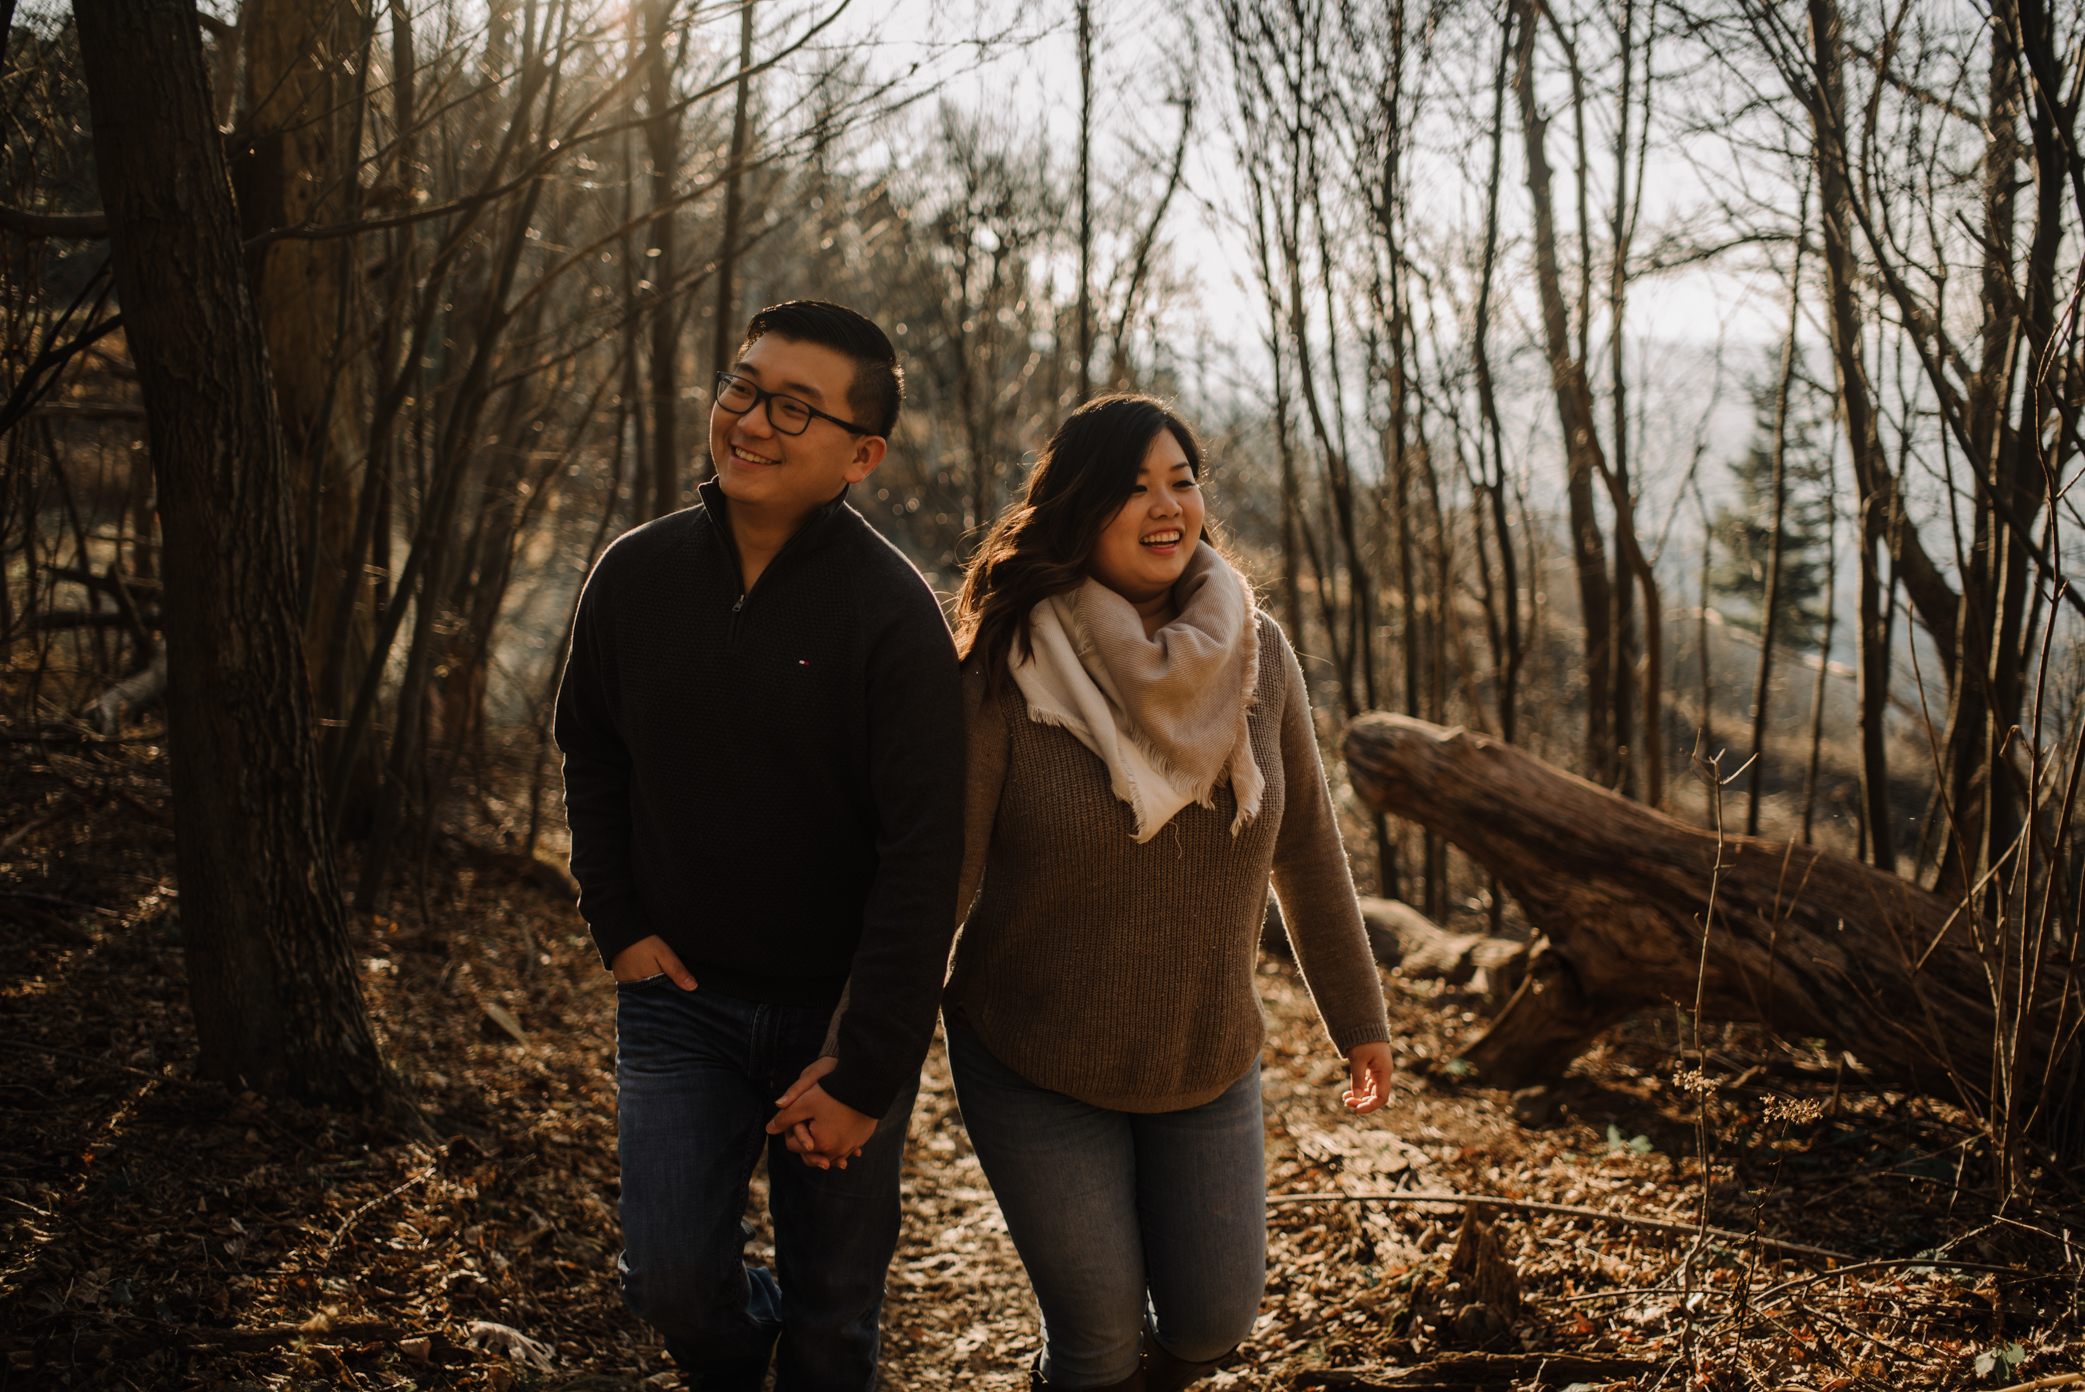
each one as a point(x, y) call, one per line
point(1697, 334)
point(1031, 76)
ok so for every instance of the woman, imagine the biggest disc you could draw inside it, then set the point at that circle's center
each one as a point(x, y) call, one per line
point(1141, 760)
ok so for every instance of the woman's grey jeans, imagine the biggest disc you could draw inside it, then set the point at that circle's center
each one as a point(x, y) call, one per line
point(1125, 1220)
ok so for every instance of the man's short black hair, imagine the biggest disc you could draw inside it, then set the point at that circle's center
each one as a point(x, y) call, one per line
point(878, 389)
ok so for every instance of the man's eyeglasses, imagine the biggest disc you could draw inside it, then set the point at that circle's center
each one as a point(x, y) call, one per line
point(788, 415)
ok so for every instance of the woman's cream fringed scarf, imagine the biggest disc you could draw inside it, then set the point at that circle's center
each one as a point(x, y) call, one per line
point(1166, 714)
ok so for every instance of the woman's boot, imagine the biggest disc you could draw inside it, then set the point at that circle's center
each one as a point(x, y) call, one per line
point(1133, 1383)
point(1165, 1371)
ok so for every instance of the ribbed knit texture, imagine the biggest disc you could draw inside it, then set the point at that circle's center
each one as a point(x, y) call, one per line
point(1123, 974)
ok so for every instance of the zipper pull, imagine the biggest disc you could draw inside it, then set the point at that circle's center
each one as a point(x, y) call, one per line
point(740, 605)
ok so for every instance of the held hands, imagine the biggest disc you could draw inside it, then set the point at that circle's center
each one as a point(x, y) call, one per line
point(821, 1128)
point(1370, 1068)
point(651, 957)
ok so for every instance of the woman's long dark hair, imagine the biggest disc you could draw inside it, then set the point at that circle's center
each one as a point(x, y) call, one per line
point(1040, 545)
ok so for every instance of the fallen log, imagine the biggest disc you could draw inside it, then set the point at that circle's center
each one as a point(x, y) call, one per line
point(1408, 940)
point(139, 689)
point(59, 620)
point(1403, 938)
point(1639, 909)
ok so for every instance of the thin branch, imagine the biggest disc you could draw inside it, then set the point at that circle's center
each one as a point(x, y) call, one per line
point(81, 226)
point(1568, 1210)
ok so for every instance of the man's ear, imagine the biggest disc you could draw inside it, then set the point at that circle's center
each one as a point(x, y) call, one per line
point(867, 455)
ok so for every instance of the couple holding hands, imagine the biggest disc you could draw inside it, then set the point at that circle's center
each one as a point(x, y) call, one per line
point(789, 788)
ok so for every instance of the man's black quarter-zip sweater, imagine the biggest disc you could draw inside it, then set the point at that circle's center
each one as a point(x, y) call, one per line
point(772, 780)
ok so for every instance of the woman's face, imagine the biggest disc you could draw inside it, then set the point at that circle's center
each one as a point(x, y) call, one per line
point(1145, 548)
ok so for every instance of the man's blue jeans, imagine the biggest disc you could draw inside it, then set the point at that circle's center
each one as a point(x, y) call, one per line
point(698, 1073)
point(1125, 1220)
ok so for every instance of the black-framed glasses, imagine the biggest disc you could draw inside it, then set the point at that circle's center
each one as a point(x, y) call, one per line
point(785, 413)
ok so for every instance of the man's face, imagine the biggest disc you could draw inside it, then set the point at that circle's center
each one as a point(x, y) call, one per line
point(791, 475)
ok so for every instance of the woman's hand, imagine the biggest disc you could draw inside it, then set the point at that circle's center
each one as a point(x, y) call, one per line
point(1369, 1068)
point(807, 1109)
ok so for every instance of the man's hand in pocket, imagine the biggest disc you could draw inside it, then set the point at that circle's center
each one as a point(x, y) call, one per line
point(651, 957)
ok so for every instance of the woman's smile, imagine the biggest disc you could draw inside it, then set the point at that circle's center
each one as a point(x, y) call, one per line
point(1143, 551)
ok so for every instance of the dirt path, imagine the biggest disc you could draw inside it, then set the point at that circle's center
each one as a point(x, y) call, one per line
point(157, 1232)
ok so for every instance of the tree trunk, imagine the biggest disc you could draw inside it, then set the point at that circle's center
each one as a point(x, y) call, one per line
point(270, 972)
point(1487, 400)
point(1085, 40)
point(1986, 804)
point(662, 142)
point(1635, 568)
point(1705, 751)
point(724, 335)
point(297, 165)
point(459, 464)
point(1824, 668)
point(1575, 413)
point(1856, 410)
point(1807, 942)
point(1770, 604)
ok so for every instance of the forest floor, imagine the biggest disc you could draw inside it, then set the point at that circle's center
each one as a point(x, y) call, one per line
point(156, 1231)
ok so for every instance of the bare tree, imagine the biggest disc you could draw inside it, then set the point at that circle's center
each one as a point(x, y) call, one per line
point(1574, 398)
point(276, 1000)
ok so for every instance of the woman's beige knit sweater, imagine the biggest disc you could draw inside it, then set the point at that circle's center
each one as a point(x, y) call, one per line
point(1123, 974)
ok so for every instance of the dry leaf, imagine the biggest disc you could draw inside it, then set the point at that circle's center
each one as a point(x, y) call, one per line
point(488, 1337)
point(504, 1018)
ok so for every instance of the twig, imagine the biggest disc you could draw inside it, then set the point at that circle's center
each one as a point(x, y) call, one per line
point(1815, 1313)
point(1998, 1218)
point(109, 1063)
point(1618, 1294)
point(1570, 1210)
point(34, 825)
point(2054, 1380)
point(38, 897)
point(156, 1334)
point(1688, 1348)
point(34, 383)
point(78, 226)
point(78, 736)
point(1782, 1289)
point(155, 815)
point(356, 1216)
point(1885, 1265)
point(197, 1084)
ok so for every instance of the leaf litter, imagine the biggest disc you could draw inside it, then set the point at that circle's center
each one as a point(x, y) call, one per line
point(159, 1231)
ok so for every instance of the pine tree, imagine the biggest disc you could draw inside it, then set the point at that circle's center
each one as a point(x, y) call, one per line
point(1743, 531)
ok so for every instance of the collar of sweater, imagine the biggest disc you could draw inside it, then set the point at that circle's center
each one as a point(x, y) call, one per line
point(817, 529)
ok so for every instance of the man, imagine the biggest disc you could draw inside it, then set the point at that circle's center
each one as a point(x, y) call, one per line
point(763, 765)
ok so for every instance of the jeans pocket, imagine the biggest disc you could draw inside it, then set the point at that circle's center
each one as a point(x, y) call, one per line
point(640, 983)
